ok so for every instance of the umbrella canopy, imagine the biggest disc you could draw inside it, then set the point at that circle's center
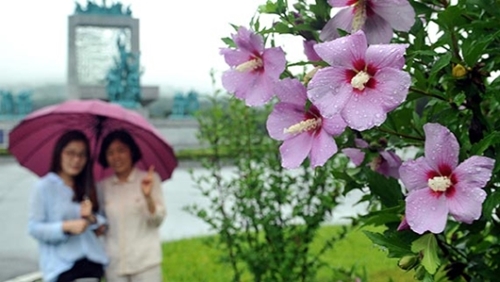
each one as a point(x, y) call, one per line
point(33, 139)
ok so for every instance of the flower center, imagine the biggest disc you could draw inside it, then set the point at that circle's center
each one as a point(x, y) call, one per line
point(359, 15)
point(359, 80)
point(439, 183)
point(305, 125)
point(250, 65)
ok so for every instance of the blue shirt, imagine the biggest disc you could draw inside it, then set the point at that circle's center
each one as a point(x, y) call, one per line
point(51, 204)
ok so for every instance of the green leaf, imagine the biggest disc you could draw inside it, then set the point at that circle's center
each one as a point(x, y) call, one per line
point(441, 63)
point(491, 139)
point(394, 246)
point(386, 188)
point(427, 244)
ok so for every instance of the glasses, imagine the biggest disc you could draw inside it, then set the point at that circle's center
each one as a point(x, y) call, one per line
point(74, 154)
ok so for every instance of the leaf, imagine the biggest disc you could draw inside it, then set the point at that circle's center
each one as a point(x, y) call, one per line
point(441, 63)
point(491, 139)
point(427, 244)
point(387, 189)
point(394, 246)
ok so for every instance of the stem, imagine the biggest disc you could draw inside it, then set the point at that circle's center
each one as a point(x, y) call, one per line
point(401, 134)
point(427, 94)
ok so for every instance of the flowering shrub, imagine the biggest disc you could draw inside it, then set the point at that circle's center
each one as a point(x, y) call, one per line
point(417, 77)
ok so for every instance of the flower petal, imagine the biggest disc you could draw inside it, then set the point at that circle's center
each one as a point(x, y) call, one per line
point(274, 62)
point(414, 174)
point(399, 13)
point(391, 88)
point(334, 125)
point(234, 57)
point(474, 171)
point(441, 147)
point(466, 203)
point(322, 149)
point(342, 20)
point(237, 82)
point(295, 150)
point(425, 211)
point(386, 55)
point(360, 113)
point(248, 41)
point(283, 116)
point(291, 91)
point(344, 51)
point(261, 91)
point(311, 55)
point(339, 3)
point(355, 155)
point(389, 166)
point(329, 91)
point(378, 30)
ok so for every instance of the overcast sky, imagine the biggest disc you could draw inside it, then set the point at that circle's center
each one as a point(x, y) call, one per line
point(179, 40)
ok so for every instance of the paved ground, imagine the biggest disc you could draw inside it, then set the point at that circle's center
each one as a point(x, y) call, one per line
point(18, 251)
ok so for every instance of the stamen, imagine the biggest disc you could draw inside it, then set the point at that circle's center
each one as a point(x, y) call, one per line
point(439, 183)
point(250, 65)
point(359, 15)
point(359, 80)
point(305, 125)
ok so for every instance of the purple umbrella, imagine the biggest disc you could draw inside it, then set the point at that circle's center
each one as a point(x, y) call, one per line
point(33, 139)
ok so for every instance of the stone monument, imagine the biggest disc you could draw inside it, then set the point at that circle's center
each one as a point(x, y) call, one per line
point(92, 48)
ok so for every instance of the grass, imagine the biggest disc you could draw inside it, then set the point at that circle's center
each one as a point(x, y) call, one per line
point(197, 259)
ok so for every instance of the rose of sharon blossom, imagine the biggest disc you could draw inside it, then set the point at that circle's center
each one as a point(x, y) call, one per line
point(377, 18)
point(438, 185)
point(254, 70)
point(362, 83)
point(305, 132)
point(309, 51)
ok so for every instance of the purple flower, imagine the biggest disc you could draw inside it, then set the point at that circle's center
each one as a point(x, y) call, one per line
point(387, 164)
point(438, 185)
point(362, 84)
point(375, 17)
point(254, 70)
point(311, 55)
point(304, 131)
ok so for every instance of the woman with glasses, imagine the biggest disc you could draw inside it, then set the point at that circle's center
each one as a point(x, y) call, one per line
point(63, 214)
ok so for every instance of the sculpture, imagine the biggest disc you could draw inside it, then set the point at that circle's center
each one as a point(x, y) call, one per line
point(7, 107)
point(116, 9)
point(24, 103)
point(179, 106)
point(123, 79)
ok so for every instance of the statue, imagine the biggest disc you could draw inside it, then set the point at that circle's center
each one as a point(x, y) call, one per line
point(7, 107)
point(179, 106)
point(123, 79)
point(24, 103)
point(93, 8)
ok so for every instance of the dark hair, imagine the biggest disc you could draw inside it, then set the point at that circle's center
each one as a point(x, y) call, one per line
point(84, 181)
point(124, 137)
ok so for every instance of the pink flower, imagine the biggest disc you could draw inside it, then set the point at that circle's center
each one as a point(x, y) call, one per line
point(387, 164)
point(254, 70)
point(438, 185)
point(375, 17)
point(362, 84)
point(311, 55)
point(304, 131)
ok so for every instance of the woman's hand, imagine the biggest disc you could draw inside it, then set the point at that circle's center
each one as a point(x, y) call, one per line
point(75, 226)
point(86, 208)
point(147, 182)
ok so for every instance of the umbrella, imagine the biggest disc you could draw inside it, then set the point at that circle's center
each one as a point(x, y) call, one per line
point(33, 139)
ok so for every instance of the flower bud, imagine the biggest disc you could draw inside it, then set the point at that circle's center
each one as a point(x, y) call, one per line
point(408, 262)
point(459, 71)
